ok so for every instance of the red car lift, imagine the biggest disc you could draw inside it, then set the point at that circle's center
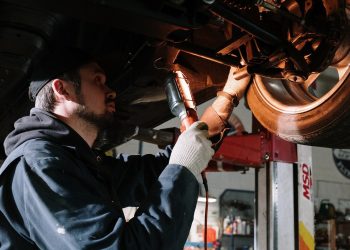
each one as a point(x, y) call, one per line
point(284, 210)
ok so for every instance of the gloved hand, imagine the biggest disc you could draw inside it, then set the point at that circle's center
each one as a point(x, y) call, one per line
point(193, 149)
point(234, 86)
point(217, 115)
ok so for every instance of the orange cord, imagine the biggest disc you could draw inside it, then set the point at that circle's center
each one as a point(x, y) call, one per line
point(205, 183)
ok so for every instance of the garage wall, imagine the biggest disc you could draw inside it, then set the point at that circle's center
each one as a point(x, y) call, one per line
point(329, 183)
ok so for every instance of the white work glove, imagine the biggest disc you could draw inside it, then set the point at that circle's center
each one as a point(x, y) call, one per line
point(193, 149)
point(234, 86)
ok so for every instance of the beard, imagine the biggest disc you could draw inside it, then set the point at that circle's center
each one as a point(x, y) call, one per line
point(100, 121)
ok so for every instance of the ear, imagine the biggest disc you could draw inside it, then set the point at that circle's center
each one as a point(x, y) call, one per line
point(62, 89)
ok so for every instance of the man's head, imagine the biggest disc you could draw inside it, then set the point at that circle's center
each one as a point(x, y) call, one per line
point(94, 101)
point(72, 85)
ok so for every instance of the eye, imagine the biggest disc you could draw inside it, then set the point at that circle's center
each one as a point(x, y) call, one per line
point(100, 79)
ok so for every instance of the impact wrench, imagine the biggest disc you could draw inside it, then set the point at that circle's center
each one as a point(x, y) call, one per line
point(182, 105)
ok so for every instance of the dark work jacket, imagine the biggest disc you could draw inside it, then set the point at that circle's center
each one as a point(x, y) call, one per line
point(56, 193)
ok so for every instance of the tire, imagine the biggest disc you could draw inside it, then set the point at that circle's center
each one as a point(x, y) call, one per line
point(298, 114)
point(314, 112)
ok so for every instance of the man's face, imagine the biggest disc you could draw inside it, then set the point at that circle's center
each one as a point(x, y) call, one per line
point(96, 101)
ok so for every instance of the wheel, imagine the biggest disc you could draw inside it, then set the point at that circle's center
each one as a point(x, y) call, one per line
point(313, 112)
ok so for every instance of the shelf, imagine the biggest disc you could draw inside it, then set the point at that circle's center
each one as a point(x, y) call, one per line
point(325, 234)
point(237, 215)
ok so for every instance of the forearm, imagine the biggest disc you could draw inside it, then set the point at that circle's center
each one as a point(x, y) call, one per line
point(217, 115)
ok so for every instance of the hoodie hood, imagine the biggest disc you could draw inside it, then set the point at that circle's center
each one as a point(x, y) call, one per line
point(44, 125)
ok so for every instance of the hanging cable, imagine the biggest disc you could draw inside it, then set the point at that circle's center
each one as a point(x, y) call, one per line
point(206, 189)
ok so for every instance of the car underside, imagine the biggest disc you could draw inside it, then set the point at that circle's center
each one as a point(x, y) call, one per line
point(289, 47)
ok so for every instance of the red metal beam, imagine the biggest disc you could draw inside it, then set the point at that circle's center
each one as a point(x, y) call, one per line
point(252, 150)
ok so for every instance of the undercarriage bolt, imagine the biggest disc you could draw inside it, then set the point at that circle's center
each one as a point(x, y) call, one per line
point(295, 78)
point(266, 157)
point(208, 1)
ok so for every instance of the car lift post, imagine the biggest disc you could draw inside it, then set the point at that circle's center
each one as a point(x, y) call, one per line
point(284, 210)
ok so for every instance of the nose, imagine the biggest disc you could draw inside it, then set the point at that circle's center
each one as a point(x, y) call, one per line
point(111, 94)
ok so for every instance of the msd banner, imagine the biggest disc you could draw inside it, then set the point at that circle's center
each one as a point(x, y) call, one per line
point(306, 180)
point(305, 199)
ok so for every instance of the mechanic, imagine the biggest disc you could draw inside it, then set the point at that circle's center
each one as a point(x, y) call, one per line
point(56, 192)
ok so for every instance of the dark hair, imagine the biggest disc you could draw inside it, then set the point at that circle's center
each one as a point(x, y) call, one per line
point(46, 99)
